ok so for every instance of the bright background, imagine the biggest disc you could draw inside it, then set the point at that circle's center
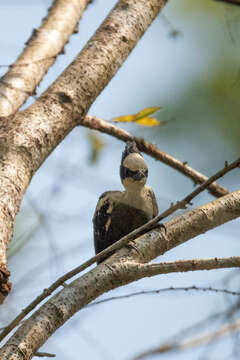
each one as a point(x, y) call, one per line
point(195, 77)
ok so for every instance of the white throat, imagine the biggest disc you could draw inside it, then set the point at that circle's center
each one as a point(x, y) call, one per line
point(134, 196)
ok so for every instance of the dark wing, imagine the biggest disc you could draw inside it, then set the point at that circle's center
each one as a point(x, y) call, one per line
point(102, 220)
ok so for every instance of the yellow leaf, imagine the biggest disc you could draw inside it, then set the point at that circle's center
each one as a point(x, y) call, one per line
point(96, 144)
point(124, 118)
point(148, 121)
point(142, 114)
point(146, 112)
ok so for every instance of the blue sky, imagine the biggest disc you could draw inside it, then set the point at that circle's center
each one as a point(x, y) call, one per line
point(54, 227)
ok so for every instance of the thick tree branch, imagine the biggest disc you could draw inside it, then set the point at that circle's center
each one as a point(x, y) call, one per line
point(27, 138)
point(117, 245)
point(122, 268)
point(41, 51)
point(150, 149)
point(189, 225)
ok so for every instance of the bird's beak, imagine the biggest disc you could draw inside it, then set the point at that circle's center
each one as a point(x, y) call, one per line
point(139, 175)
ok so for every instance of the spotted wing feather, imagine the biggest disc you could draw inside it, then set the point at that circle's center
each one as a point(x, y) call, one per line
point(154, 201)
point(102, 217)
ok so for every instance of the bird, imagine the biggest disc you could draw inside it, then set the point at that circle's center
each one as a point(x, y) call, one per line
point(120, 212)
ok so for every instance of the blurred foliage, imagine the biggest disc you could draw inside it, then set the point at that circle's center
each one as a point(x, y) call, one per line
point(224, 89)
point(212, 92)
point(96, 146)
point(212, 7)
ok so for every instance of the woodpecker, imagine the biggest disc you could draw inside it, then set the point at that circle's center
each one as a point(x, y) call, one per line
point(120, 212)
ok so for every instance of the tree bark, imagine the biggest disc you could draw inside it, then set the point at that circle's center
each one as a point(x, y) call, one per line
point(41, 51)
point(28, 137)
point(122, 268)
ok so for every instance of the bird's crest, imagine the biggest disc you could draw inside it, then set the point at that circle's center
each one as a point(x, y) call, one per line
point(130, 148)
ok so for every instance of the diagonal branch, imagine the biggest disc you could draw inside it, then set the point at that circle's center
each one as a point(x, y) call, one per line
point(117, 245)
point(122, 268)
point(27, 138)
point(150, 149)
point(189, 225)
point(192, 342)
point(41, 51)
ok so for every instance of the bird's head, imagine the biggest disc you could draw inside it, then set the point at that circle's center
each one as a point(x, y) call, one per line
point(133, 169)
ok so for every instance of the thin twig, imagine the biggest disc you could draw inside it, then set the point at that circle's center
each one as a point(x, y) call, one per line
point(152, 150)
point(203, 323)
point(44, 354)
point(117, 245)
point(182, 204)
point(192, 342)
point(163, 290)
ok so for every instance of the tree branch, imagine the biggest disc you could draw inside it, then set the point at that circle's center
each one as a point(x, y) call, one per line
point(117, 245)
point(150, 149)
point(189, 225)
point(41, 51)
point(44, 354)
point(163, 290)
point(192, 342)
point(27, 138)
point(189, 265)
point(122, 268)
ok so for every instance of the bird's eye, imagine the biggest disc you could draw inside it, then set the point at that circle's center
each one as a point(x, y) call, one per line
point(129, 173)
point(125, 172)
point(136, 175)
